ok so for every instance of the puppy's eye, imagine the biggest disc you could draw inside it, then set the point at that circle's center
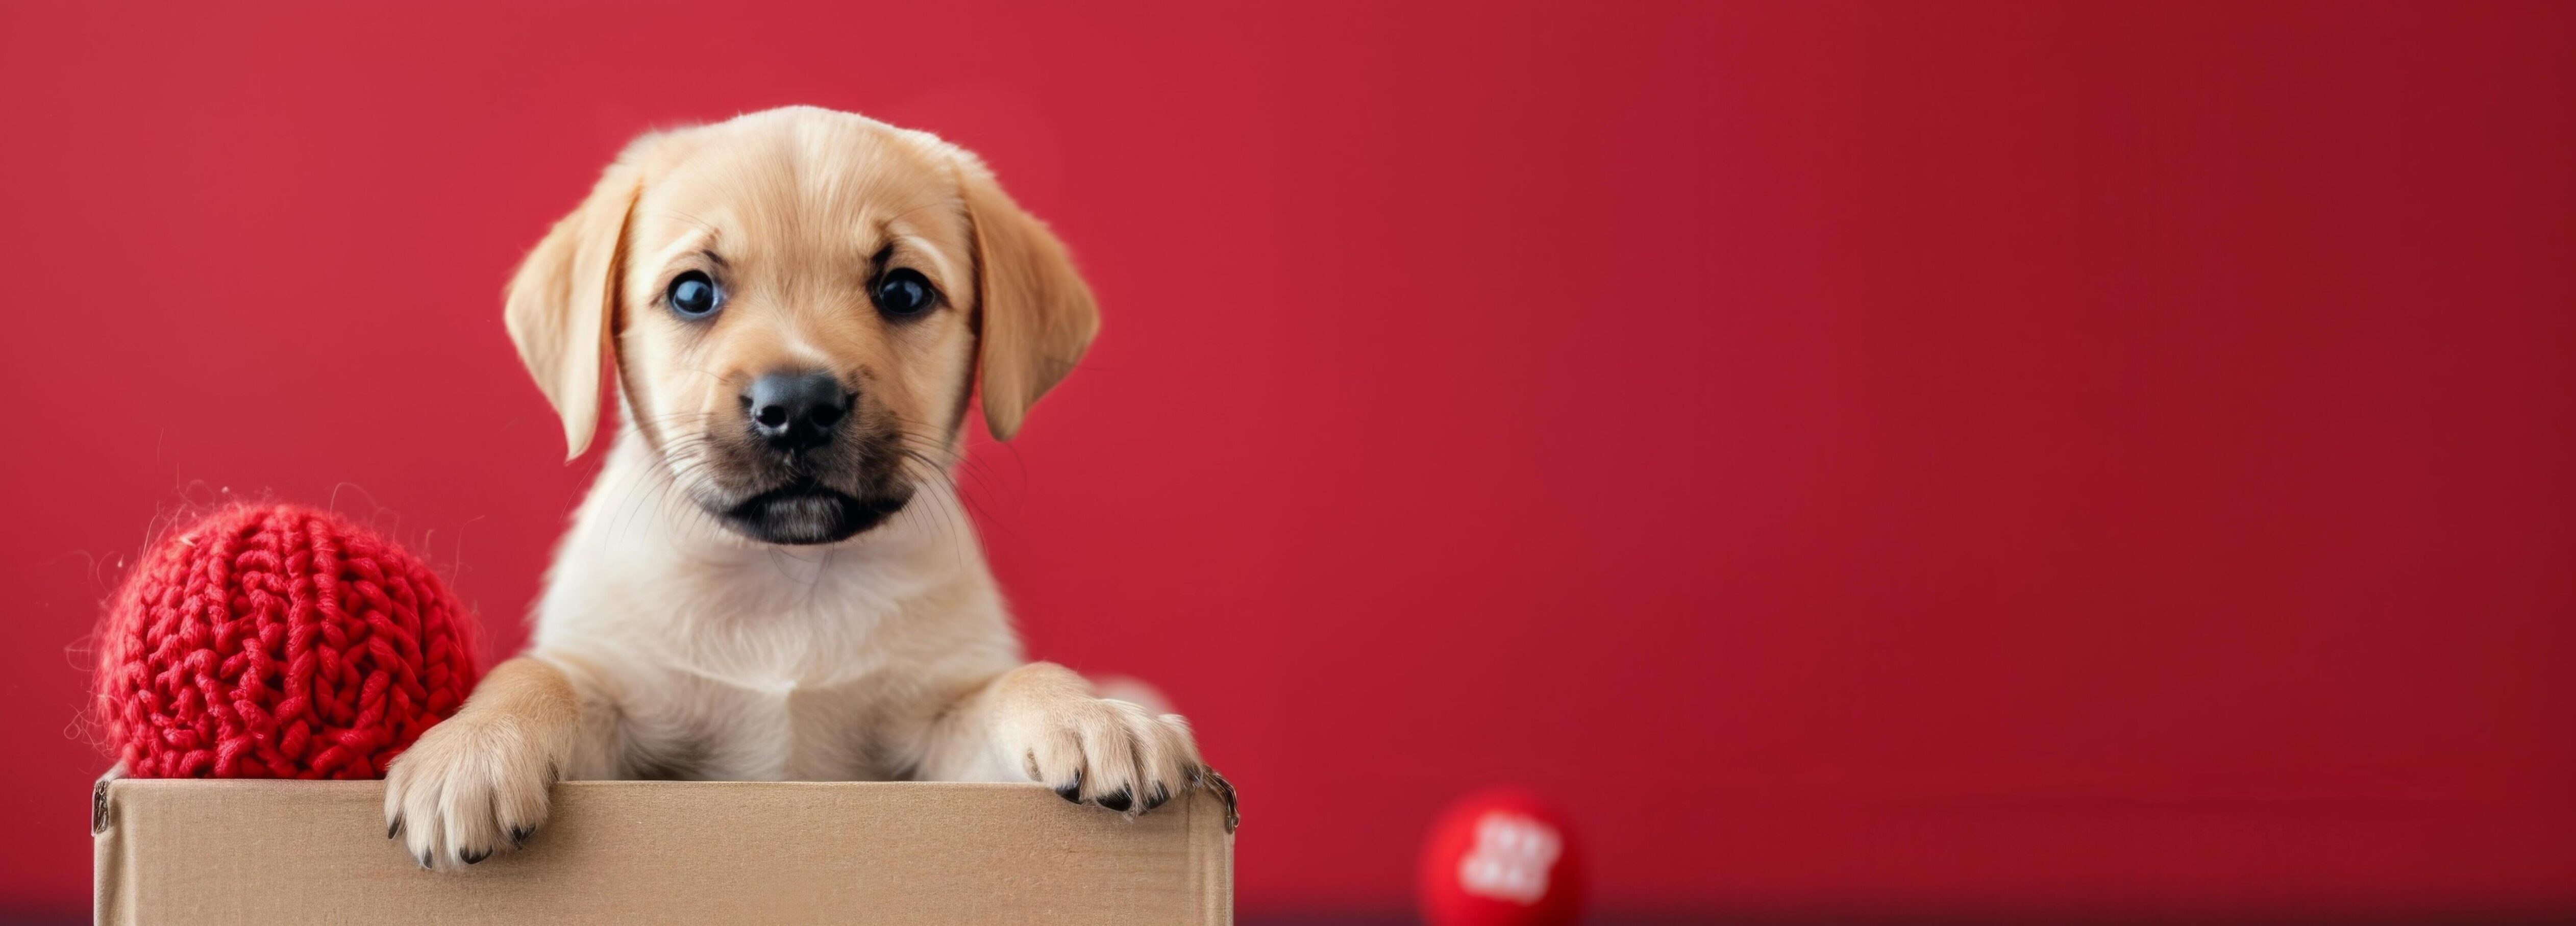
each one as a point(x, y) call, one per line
point(903, 293)
point(693, 295)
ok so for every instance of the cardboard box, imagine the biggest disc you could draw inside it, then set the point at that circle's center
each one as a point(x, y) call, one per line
point(193, 851)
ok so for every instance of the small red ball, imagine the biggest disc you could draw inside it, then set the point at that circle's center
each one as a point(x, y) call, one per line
point(277, 641)
point(1501, 857)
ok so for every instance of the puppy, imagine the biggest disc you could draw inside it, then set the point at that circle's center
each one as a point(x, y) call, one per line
point(770, 579)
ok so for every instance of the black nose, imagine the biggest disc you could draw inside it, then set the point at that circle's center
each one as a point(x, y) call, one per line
point(796, 411)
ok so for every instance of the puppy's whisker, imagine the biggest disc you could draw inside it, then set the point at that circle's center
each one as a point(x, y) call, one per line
point(942, 459)
point(950, 499)
point(934, 478)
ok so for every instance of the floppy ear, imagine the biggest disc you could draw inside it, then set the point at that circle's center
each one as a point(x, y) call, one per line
point(1035, 316)
point(562, 298)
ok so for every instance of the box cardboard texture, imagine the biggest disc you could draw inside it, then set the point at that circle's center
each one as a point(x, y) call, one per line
point(195, 851)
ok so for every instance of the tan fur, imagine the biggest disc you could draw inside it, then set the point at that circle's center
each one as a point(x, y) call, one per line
point(560, 301)
point(668, 645)
point(1038, 314)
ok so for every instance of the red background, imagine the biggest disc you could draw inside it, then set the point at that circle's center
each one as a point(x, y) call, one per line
point(1857, 457)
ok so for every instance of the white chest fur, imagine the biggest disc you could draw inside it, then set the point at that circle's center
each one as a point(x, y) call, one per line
point(719, 658)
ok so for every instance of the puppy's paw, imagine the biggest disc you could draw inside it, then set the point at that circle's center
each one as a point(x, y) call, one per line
point(1107, 753)
point(471, 786)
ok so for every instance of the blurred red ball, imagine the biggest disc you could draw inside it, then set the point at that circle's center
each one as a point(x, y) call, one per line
point(274, 641)
point(1501, 857)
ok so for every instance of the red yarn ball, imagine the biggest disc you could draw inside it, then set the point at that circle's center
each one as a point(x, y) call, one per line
point(278, 642)
point(1501, 857)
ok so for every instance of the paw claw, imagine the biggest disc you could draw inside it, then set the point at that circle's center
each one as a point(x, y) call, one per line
point(1103, 752)
point(465, 792)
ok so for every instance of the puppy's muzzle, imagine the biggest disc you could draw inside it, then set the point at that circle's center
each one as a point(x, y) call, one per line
point(810, 472)
point(792, 411)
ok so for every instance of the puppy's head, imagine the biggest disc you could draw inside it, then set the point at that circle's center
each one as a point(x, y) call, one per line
point(798, 303)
